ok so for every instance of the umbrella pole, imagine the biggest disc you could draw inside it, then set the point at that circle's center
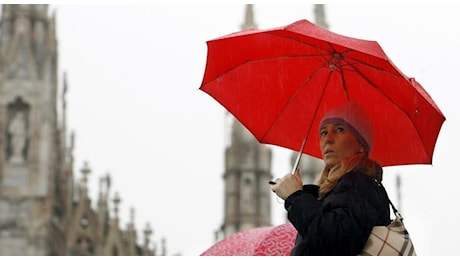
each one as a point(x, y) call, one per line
point(299, 156)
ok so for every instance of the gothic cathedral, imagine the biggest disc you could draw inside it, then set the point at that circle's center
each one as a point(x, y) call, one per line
point(42, 211)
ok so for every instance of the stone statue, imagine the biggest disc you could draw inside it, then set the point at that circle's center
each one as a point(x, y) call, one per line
point(18, 134)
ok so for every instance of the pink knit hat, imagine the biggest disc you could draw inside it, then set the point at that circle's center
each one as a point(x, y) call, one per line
point(355, 119)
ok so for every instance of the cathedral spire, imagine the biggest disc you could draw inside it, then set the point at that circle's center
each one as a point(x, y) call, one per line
point(116, 204)
point(64, 112)
point(247, 171)
point(85, 170)
point(249, 22)
point(320, 16)
point(147, 233)
point(28, 40)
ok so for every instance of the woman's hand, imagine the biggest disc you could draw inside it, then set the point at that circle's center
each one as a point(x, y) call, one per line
point(287, 185)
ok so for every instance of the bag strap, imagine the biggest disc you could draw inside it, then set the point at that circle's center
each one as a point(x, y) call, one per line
point(395, 211)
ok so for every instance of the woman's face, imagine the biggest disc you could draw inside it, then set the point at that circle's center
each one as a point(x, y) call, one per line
point(337, 144)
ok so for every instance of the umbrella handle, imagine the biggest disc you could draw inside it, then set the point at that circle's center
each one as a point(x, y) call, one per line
point(299, 156)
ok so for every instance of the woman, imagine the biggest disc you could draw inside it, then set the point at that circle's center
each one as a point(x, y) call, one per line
point(336, 216)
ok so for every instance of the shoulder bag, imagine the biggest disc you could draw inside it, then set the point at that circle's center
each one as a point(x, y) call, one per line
point(391, 240)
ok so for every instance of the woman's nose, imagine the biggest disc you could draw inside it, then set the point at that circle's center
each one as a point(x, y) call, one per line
point(329, 138)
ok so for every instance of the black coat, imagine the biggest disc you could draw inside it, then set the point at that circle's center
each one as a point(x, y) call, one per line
point(341, 222)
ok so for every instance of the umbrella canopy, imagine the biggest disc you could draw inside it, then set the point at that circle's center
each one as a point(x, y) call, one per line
point(280, 82)
point(262, 241)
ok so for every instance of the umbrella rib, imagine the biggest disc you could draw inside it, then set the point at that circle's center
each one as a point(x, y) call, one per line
point(282, 58)
point(328, 51)
point(291, 98)
point(314, 46)
point(355, 69)
point(267, 59)
point(310, 76)
point(295, 94)
point(367, 79)
point(321, 52)
point(370, 66)
point(363, 75)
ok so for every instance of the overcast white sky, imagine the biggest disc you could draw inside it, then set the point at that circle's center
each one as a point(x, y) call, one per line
point(134, 104)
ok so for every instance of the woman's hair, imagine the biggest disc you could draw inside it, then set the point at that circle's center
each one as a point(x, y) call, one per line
point(360, 162)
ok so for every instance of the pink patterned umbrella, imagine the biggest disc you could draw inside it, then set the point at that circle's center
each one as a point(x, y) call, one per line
point(262, 241)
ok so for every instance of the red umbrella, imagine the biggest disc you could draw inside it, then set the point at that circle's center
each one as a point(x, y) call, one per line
point(262, 241)
point(280, 82)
